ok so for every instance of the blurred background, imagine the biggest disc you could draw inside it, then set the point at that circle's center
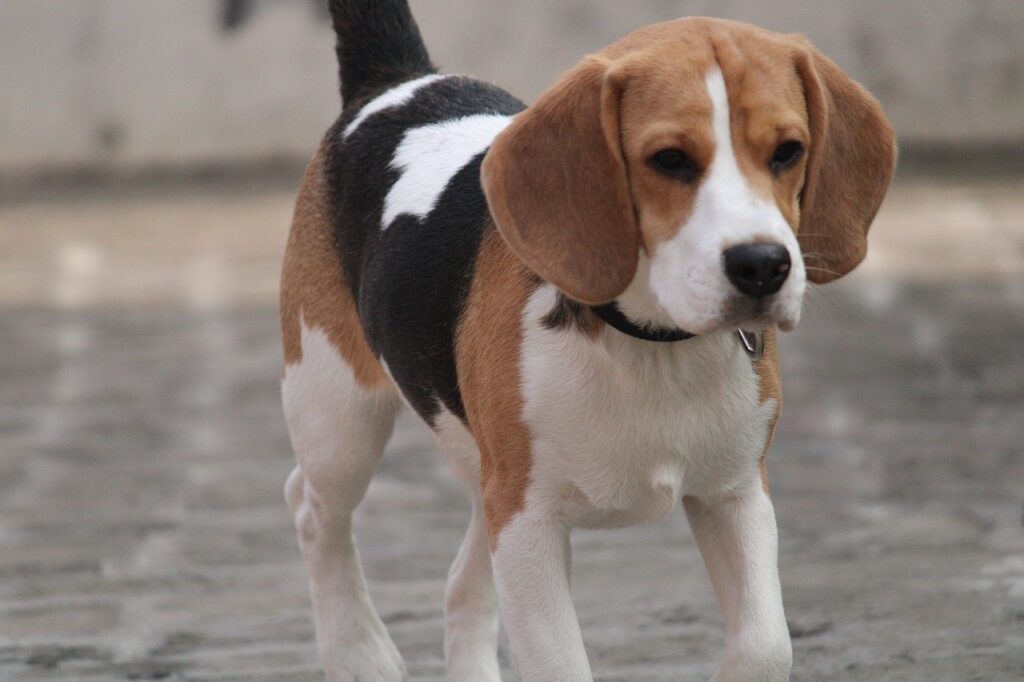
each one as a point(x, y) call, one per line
point(149, 157)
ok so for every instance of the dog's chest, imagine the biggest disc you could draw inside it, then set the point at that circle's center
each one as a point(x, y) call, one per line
point(623, 428)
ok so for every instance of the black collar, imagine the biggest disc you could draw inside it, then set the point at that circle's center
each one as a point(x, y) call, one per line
point(610, 313)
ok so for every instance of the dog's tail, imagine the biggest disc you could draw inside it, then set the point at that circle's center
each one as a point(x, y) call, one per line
point(379, 44)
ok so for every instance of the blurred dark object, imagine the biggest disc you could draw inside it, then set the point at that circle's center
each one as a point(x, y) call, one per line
point(234, 13)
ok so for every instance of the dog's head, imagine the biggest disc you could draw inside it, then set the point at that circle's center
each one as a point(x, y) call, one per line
point(699, 171)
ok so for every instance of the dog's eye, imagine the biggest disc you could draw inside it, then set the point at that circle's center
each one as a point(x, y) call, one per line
point(675, 163)
point(785, 156)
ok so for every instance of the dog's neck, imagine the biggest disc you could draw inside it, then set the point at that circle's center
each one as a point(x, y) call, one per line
point(612, 315)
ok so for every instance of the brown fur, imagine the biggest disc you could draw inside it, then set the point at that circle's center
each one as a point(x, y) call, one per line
point(851, 161)
point(665, 108)
point(769, 387)
point(571, 189)
point(488, 358)
point(313, 290)
point(556, 185)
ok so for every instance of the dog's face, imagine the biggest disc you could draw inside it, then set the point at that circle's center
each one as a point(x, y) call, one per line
point(715, 158)
point(698, 171)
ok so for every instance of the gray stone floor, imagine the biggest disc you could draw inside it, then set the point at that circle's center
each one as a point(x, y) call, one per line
point(143, 533)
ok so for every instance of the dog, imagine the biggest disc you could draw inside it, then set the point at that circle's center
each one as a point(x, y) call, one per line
point(581, 299)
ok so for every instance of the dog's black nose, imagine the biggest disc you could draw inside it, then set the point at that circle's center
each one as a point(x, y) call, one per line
point(757, 270)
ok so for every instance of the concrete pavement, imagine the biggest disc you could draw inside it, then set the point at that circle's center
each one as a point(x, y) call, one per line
point(143, 533)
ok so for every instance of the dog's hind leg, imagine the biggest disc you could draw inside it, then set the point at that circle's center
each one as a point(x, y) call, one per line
point(471, 608)
point(340, 406)
point(338, 430)
point(471, 604)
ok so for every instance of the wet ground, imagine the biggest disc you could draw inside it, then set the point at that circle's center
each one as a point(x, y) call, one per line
point(143, 533)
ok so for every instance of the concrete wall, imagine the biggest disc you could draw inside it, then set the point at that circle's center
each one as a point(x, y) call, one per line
point(132, 84)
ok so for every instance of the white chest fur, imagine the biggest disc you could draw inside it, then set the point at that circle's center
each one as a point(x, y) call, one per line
point(623, 428)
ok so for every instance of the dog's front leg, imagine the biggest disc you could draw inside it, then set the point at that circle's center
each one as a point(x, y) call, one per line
point(531, 561)
point(739, 542)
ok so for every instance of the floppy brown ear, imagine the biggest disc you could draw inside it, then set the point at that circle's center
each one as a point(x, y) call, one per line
point(555, 181)
point(851, 161)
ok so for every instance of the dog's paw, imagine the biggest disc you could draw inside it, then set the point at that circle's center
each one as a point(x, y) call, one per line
point(373, 660)
point(770, 664)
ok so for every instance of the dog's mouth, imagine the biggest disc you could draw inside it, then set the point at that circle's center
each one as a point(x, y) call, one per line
point(750, 314)
point(757, 314)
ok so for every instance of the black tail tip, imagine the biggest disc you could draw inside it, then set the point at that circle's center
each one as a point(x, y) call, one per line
point(379, 45)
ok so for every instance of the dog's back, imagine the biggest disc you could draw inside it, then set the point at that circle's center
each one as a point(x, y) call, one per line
point(399, 173)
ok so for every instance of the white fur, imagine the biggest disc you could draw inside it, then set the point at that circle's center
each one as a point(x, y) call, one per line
point(686, 273)
point(739, 542)
point(623, 429)
point(532, 567)
point(630, 426)
point(471, 605)
point(456, 442)
point(338, 430)
point(429, 156)
point(395, 97)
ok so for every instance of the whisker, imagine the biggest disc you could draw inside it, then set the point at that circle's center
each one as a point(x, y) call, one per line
point(825, 270)
point(816, 300)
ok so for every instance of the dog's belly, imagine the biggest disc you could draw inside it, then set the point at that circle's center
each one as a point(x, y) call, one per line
point(623, 428)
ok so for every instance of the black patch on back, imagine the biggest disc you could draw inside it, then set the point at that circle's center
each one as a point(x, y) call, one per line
point(416, 285)
point(411, 280)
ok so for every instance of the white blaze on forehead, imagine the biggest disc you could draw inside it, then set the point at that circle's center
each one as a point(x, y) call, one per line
point(737, 212)
point(727, 211)
point(724, 165)
point(430, 156)
point(394, 97)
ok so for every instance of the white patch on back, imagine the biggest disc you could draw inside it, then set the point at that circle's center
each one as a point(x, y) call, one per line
point(686, 273)
point(394, 97)
point(429, 156)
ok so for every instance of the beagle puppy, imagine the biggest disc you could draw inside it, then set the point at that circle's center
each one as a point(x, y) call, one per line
point(557, 291)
